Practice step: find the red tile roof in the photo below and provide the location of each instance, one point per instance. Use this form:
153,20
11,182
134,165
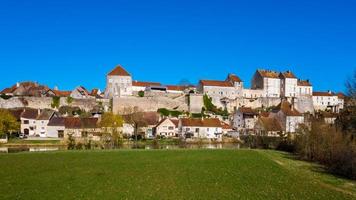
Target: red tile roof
119,71
226,125
233,78
144,84
287,74
340,95
304,83
60,93
268,73
175,87
213,122
287,109
174,121
216,83
327,94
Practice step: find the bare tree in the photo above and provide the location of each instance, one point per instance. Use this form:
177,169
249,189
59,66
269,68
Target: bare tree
135,117
351,86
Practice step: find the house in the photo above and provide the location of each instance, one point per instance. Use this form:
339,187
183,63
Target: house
28,121
200,128
167,128
304,88
118,83
244,119
268,126
28,89
80,93
34,121
289,83
288,116
141,86
323,101
74,126
268,81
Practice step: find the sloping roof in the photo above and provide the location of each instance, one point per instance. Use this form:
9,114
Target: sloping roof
56,121
17,112
78,123
45,115
226,125
175,87
340,95
119,71
213,122
233,78
270,124
287,74
247,110
8,90
268,73
216,83
174,121
30,113
60,93
144,84
303,83
327,94
287,109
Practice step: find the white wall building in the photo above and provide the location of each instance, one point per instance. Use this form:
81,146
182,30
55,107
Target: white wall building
289,84
289,117
200,128
244,119
325,101
118,83
167,128
268,81
304,88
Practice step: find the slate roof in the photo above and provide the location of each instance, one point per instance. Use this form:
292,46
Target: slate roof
45,115
119,71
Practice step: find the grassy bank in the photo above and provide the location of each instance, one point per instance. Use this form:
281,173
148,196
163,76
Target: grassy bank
160,174
21,142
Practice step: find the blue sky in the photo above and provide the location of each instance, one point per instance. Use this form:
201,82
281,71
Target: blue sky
69,43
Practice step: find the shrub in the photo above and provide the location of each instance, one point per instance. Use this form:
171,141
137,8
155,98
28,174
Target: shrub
69,100
141,93
55,102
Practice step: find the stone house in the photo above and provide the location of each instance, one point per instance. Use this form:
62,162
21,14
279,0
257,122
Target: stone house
118,83
304,88
323,101
289,83
244,119
32,89
167,128
209,128
268,126
288,116
75,126
80,93
268,81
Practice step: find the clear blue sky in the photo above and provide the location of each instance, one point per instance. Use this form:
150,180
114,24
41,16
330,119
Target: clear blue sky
70,43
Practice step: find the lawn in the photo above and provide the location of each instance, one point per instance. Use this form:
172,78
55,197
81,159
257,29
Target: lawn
166,174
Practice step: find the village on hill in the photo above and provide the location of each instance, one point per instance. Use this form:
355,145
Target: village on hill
277,104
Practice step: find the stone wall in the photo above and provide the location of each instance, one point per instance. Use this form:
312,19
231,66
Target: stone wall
149,104
195,103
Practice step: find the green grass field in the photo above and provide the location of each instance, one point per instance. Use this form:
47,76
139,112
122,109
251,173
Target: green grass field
166,174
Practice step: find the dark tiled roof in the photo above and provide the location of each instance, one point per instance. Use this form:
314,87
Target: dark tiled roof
45,115
56,121
303,83
30,113
287,109
247,110
119,71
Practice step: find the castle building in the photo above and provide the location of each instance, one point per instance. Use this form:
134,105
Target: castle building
268,81
289,84
118,83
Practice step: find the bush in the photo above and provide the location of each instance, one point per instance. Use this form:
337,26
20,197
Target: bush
55,102
141,93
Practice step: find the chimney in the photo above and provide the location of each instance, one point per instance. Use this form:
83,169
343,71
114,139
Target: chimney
17,84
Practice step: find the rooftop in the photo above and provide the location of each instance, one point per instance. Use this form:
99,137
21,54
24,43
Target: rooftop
119,71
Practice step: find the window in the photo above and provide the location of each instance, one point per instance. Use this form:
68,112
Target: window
60,134
26,121
187,129
197,130
170,128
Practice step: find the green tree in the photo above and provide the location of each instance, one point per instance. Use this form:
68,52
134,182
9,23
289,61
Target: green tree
8,122
55,102
141,93
69,100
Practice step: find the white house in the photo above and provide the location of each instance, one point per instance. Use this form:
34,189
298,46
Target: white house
268,81
200,128
289,83
288,116
34,122
77,127
304,88
167,128
325,101
244,119
118,83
